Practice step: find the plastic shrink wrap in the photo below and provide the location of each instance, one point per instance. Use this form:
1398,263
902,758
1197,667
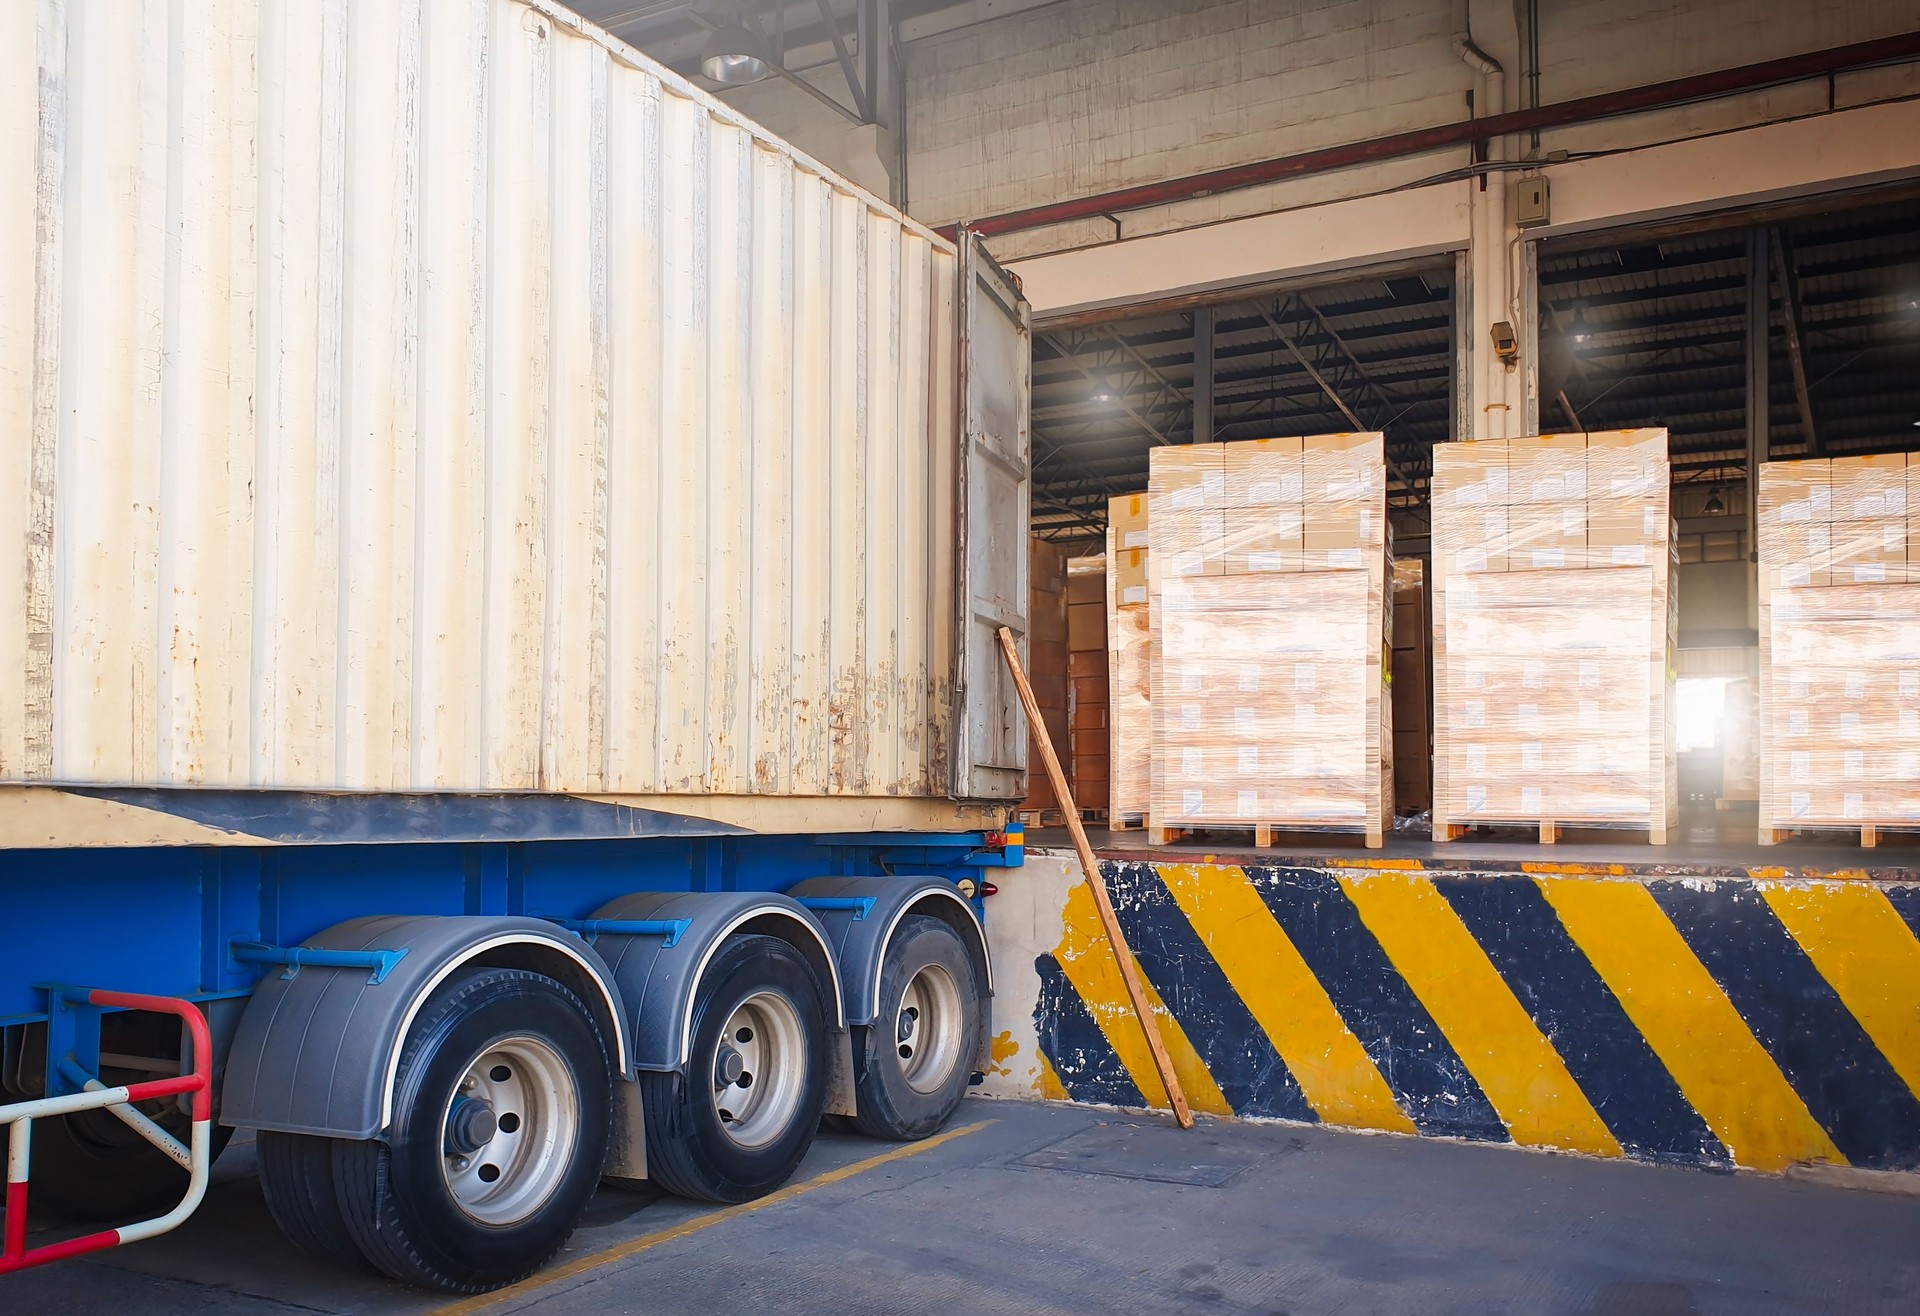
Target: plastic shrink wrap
1839,644
1129,661
1271,608
1555,622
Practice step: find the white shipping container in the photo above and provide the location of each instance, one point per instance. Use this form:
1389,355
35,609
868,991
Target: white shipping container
438,395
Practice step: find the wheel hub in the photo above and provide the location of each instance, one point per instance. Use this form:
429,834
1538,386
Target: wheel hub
927,1029
471,1125
759,1069
510,1127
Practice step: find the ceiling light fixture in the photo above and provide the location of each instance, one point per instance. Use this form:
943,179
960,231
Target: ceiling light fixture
1103,391
1716,505
1580,334
736,55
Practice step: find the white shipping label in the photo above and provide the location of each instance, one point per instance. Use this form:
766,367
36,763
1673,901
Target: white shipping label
1530,756
1250,679
1186,564
1573,520
1632,486
1305,717
1910,685
1795,573
1343,559
1906,765
1366,523
1799,804
1798,510
1303,764
1589,671
1187,498
1650,524
1471,495
1589,712
1910,722
1853,764
1850,725
1897,501
1533,674
1549,557
1134,594
1797,722
1852,805
1586,756
1549,489
1870,507
1497,484
1800,765
1291,486
1191,801
1249,804
1528,715
1856,686
1869,573
1493,525
1305,676
1267,560
1249,758
1189,717
1243,721
1819,540
1821,499
1192,761
1473,560
1629,555
1214,485
1893,539
1476,756
1135,539
1799,686
1529,799
1190,683
1261,492
1476,678
1476,798
1473,713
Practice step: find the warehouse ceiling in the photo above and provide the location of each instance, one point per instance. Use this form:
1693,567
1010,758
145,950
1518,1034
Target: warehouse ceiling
1358,354
1649,328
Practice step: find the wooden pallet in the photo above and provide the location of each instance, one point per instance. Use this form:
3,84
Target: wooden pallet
1041,817
1869,832
1264,834
1732,803
1549,829
1126,823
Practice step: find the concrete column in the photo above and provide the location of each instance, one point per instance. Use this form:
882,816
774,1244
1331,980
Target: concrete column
1487,38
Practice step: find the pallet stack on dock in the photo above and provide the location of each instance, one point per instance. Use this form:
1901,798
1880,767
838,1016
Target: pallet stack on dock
1839,645
1412,702
1554,629
1129,664
1088,735
1271,614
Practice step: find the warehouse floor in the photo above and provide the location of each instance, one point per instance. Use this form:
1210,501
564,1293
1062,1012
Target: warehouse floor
1053,1209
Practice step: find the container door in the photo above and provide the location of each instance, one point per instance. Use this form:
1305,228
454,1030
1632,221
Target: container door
990,747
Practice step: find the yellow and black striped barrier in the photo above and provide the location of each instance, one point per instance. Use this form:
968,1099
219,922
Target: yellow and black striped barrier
1720,1021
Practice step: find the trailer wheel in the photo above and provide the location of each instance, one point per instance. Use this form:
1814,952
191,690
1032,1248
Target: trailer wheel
88,1166
734,1126
911,1065
296,1174
498,1138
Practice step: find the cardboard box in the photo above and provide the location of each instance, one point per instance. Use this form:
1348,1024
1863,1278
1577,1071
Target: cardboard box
1261,539
1086,625
1186,478
1127,519
1869,488
1799,492
1547,470
1627,464
1129,578
1088,586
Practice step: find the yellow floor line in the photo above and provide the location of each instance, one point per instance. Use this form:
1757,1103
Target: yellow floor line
633,1247
1522,1075
1086,957
1333,1070
1723,1071
1868,955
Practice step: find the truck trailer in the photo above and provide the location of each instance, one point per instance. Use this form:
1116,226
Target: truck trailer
500,561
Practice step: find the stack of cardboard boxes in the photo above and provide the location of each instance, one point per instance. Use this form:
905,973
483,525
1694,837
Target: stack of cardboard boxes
1412,710
1839,645
1554,630
1271,619
1129,663
1087,693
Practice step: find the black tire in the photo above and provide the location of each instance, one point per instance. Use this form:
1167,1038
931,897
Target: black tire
90,1167
689,1149
897,1096
395,1195
296,1174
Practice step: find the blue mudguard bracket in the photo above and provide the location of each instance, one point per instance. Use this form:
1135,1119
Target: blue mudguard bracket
379,962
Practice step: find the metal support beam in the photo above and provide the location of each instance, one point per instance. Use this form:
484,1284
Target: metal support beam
1758,396
1203,375
1790,308
1314,374
861,100
1159,435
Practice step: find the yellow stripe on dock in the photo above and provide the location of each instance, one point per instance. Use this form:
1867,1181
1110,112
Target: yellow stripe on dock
1868,955
1335,1074
1086,957
1724,1073
1522,1075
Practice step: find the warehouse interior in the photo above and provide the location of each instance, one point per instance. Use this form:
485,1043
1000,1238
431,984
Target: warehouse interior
1050,656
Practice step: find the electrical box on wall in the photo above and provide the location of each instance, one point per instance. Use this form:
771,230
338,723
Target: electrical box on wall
1531,204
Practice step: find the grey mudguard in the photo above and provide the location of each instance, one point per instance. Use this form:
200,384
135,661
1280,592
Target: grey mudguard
657,981
316,1053
860,938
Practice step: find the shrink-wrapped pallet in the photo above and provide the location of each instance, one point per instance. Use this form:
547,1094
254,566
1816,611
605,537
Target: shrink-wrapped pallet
1839,645
1129,662
1271,612
1554,628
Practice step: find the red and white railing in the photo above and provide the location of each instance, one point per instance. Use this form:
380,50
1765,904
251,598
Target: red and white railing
195,1156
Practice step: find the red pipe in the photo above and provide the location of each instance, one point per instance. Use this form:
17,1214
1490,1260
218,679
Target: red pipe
1585,109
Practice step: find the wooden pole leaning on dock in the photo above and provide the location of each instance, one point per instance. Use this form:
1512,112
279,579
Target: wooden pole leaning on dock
1116,939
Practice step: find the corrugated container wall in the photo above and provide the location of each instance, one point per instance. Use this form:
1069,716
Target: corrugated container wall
436,395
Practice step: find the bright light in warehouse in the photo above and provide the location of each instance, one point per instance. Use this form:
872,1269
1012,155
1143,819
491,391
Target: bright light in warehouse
1699,704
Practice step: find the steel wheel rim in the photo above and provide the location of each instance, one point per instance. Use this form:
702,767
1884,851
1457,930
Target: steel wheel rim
926,1029
529,1093
758,1068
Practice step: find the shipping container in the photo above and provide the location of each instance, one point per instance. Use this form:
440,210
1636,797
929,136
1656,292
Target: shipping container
438,396
500,561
